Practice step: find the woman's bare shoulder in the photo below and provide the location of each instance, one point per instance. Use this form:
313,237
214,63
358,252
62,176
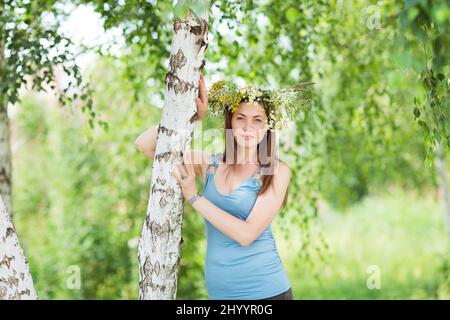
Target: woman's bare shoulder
282,170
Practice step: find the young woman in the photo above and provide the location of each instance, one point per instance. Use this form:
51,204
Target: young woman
244,189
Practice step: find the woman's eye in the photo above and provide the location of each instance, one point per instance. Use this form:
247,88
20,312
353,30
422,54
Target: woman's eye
258,120
239,118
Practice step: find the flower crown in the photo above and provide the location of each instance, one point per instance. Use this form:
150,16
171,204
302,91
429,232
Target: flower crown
283,103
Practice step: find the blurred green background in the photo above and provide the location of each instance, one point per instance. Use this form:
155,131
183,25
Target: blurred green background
366,214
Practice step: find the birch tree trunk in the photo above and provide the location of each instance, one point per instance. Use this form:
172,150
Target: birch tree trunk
159,245
15,278
5,148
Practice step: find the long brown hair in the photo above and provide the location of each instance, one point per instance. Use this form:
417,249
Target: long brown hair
266,152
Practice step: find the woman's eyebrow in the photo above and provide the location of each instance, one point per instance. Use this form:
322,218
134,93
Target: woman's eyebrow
253,116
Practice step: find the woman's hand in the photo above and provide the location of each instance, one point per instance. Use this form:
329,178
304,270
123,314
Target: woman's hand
186,170
202,100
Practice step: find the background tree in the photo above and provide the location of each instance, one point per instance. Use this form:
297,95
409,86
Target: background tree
31,48
15,278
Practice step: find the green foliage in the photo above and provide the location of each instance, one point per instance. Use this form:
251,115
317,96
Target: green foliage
31,49
397,236
147,30
88,188
182,7
83,202
87,199
424,32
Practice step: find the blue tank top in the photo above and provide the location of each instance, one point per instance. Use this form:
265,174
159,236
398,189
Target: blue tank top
232,271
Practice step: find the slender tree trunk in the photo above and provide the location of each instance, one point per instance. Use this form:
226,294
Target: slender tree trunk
443,183
5,148
5,156
159,246
15,278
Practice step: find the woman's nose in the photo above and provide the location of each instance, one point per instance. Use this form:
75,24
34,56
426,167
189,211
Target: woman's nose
248,124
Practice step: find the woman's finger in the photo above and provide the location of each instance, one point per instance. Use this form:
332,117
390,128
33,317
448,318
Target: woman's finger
182,169
175,175
202,91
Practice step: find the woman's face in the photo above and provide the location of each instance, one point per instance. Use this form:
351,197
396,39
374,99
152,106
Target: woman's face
249,124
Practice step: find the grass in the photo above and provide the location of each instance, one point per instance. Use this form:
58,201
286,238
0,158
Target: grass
394,242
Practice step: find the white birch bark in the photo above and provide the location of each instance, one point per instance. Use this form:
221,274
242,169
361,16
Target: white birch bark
5,148
159,245
15,278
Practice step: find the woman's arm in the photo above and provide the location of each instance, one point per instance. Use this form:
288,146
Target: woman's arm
146,142
228,224
263,212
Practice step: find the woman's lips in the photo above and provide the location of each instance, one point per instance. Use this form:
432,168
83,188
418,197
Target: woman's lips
247,137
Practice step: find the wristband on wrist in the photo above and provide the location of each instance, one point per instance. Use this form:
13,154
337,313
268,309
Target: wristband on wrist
195,197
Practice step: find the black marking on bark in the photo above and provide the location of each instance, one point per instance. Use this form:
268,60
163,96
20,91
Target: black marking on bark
201,43
178,85
168,132
197,30
177,24
144,284
165,228
148,222
203,63
194,118
163,202
3,291
7,261
4,177
12,281
169,156
162,190
148,267
177,61
146,276
9,232
158,231
201,29
204,25
158,287
26,291
170,192
161,180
